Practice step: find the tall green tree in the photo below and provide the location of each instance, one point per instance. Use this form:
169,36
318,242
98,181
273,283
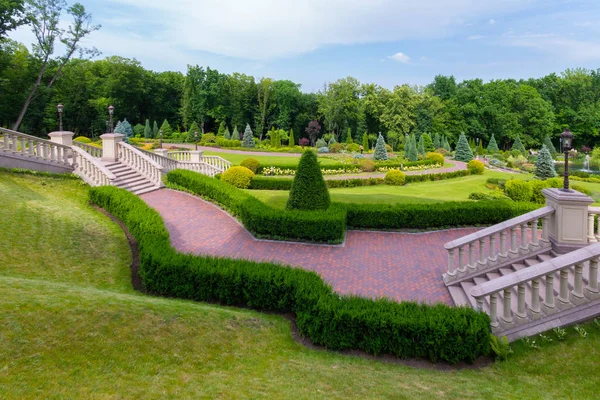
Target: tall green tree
147,130
248,140
463,150
166,129
493,146
12,15
544,166
380,153
518,145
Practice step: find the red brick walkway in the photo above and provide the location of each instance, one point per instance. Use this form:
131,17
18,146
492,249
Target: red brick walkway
401,266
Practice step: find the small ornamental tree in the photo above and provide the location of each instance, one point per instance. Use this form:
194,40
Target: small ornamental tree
332,141
166,130
291,138
227,134
126,128
248,140
236,134
446,145
412,155
550,146
349,136
312,130
421,146
518,145
463,150
148,130
119,128
428,143
380,151
155,130
138,130
480,147
436,141
365,141
544,167
407,147
308,191
493,146
221,131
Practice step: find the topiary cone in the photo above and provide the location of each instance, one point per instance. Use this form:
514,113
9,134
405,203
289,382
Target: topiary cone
309,191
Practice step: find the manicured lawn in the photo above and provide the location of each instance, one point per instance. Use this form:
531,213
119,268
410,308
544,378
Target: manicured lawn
423,192
594,187
72,327
236,159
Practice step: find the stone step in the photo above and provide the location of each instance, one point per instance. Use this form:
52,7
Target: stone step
142,191
138,186
130,181
466,287
459,296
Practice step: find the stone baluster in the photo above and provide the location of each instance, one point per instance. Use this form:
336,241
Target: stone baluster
563,296
472,262
549,298
534,233
479,302
591,236
513,240
577,291
592,286
482,259
15,145
524,240
535,296
545,228
494,310
493,256
30,147
461,259
503,252
521,301
507,312
23,147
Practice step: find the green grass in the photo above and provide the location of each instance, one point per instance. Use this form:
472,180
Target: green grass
80,331
236,159
423,192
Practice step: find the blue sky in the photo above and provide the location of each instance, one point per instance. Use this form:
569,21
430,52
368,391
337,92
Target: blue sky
382,41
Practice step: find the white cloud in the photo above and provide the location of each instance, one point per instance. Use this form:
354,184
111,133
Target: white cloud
264,29
492,21
400,57
558,46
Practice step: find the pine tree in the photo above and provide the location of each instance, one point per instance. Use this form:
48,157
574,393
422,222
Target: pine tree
155,130
166,129
436,141
550,146
119,128
428,143
407,143
236,135
380,150
492,146
463,150
421,146
544,167
221,131
308,191
447,144
127,129
227,134
349,136
413,154
148,130
365,142
291,139
518,145
248,140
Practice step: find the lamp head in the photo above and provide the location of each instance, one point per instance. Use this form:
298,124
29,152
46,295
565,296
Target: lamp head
567,139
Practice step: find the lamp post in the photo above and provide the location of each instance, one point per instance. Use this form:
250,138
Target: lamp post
60,111
196,139
160,136
567,143
111,110
477,146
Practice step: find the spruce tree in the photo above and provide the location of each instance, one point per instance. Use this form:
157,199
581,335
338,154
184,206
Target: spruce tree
221,131
291,139
544,167
155,130
413,154
349,136
236,135
148,130
518,145
365,141
421,146
380,150
119,128
447,144
332,141
227,134
550,146
248,140
493,146
126,129
166,129
428,143
407,148
463,150
436,141
308,191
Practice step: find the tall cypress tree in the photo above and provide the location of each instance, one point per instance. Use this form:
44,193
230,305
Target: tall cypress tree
407,144
544,167
427,143
155,130
349,136
436,141
291,140
365,141
380,150
227,134
166,130
518,145
421,146
413,154
236,134
550,146
463,150
248,140
148,130
493,146
446,144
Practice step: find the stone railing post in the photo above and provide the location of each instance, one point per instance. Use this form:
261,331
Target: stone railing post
196,156
62,137
110,146
569,223
162,152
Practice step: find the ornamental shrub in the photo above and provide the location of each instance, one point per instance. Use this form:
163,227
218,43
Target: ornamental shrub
380,150
421,146
475,167
550,146
493,195
238,176
537,186
166,130
331,140
82,139
436,141
236,135
248,140
309,191
323,149
367,165
138,130
251,163
365,141
493,146
427,143
227,134
155,129
446,145
463,150
335,148
518,145
544,167
291,141
147,130
354,148
411,153
518,190
437,157
395,177
208,138
320,143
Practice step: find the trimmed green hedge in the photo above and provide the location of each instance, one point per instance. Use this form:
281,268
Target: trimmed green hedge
407,329
346,167
262,220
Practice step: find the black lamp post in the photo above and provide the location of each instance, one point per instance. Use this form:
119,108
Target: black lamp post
477,146
196,139
60,111
567,143
111,111
160,137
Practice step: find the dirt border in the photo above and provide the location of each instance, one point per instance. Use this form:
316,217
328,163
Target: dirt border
137,284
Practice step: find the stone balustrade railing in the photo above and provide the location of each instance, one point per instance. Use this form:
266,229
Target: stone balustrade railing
140,162
92,150
35,148
201,167
219,163
91,170
568,267
593,228
169,163
180,155
484,243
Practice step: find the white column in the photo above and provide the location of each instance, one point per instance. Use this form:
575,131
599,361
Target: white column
592,285
507,314
535,296
591,236
451,268
110,149
524,241
62,137
196,156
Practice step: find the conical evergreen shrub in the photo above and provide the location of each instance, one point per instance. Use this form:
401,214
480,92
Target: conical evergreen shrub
446,144
155,130
493,146
427,143
463,150
248,140
413,155
308,191
148,130
421,146
436,141
544,167
365,142
291,138
236,135
227,134
550,146
332,141
349,136
380,151
518,145
166,130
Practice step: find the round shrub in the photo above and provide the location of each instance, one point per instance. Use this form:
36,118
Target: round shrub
335,147
475,167
388,148
82,139
309,191
359,156
395,177
367,165
251,163
323,149
353,147
442,151
518,190
437,157
240,177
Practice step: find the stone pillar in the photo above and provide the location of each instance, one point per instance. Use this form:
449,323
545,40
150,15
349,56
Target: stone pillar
161,152
62,137
568,226
110,150
196,156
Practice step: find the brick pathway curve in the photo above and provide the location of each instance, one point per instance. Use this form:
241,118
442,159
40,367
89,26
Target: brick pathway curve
401,266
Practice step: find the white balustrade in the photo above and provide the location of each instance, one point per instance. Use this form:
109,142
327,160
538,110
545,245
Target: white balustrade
593,233
485,241
220,163
180,155
140,162
32,147
92,150
91,169
170,163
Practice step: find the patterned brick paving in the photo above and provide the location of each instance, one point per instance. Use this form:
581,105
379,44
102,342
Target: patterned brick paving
401,266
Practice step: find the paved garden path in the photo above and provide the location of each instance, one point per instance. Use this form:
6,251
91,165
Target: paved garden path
401,266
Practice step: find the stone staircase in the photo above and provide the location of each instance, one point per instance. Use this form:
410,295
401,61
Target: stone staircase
129,179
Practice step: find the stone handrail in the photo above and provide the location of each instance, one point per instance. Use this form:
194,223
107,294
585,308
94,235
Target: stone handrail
180,155
92,150
167,163
592,212
140,162
218,162
35,148
91,170
201,167
494,256
532,275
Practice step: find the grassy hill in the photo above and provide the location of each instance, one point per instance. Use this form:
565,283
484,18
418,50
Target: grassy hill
71,326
